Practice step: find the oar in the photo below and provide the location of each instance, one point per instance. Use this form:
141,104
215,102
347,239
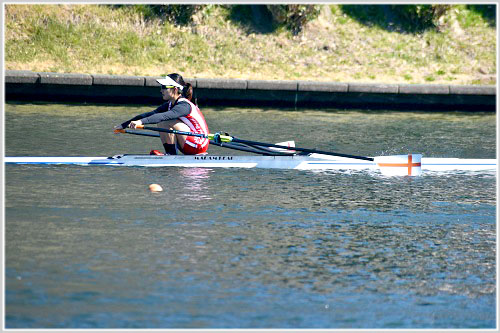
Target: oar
156,135
250,149
218,138
255,150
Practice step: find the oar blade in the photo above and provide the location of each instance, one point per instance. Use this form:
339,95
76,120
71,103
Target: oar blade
400,165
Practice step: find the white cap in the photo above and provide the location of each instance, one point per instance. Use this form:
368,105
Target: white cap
167,81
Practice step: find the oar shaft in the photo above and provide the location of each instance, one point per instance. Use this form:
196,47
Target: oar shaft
159,129
216,137
250,149
126,131
305,150
155,135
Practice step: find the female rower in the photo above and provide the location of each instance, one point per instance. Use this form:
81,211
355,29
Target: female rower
178,113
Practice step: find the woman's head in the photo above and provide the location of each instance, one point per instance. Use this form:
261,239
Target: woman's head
176,87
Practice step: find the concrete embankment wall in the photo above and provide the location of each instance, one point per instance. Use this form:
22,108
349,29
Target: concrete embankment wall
98,88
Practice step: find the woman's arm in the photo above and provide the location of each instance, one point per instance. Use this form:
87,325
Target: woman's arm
179,110
161,108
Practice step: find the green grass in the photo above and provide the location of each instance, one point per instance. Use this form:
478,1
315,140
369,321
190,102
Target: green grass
344,43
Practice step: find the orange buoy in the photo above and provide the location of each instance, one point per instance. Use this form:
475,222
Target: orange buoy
155,188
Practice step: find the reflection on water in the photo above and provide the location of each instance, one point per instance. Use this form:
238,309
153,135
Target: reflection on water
195,186
92,247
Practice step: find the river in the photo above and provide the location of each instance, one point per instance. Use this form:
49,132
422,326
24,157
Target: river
92,247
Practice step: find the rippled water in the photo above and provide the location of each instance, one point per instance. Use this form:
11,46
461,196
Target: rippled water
91,247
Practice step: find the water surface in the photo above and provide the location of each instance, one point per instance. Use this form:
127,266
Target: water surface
91,247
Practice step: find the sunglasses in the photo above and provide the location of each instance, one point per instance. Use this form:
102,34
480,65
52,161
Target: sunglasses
166,87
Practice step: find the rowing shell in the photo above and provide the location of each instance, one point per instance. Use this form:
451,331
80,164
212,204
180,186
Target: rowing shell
412,164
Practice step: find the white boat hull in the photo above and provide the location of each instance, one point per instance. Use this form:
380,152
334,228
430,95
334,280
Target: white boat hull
299,162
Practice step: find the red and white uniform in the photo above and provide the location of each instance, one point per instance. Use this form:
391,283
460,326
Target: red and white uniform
197,124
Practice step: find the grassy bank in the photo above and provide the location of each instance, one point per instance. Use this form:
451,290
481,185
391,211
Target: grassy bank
221,42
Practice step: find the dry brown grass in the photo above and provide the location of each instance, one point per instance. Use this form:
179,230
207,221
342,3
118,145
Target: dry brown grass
335,47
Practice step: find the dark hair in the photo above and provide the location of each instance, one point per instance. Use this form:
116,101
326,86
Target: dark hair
187,91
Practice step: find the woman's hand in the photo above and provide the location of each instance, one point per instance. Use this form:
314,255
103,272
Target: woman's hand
135,123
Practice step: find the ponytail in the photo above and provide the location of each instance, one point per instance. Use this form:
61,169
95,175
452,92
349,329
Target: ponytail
187,91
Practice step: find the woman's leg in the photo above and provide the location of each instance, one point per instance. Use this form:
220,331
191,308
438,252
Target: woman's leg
170,138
